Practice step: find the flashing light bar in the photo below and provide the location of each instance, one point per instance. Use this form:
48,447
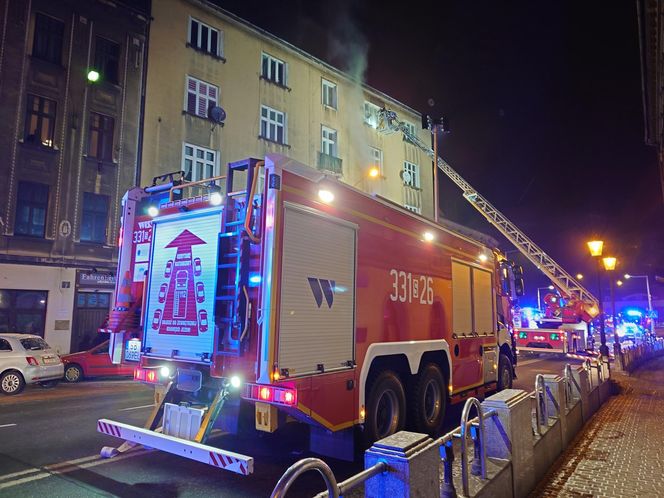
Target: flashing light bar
271,394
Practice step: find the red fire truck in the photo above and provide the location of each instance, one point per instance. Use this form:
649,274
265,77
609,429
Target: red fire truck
279,293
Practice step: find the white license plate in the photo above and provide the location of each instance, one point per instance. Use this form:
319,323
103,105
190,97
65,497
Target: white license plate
49,360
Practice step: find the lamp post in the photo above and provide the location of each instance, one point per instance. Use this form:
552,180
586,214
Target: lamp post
595,247
610,265
539,301
652,322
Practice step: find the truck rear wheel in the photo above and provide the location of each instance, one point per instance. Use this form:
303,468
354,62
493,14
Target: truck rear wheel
428,400
386,407
505,376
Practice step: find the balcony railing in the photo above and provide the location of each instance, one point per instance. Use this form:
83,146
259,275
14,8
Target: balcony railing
329,164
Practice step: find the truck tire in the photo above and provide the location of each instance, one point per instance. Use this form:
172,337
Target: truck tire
11,382
427,400
386,407
505,372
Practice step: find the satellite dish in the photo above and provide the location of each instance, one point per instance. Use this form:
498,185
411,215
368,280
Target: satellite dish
217,114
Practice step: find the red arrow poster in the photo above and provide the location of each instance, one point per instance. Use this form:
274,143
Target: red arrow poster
179,320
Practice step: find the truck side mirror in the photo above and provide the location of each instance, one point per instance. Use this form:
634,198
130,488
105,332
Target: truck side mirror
518,287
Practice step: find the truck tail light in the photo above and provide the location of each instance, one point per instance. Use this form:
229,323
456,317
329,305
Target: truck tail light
271,394
149,375
32,361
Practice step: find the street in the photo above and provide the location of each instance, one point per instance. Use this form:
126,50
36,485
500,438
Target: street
49,446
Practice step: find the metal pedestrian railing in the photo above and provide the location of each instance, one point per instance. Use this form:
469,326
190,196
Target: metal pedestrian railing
475,428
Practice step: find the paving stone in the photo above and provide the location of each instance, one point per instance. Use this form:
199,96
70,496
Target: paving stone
621,450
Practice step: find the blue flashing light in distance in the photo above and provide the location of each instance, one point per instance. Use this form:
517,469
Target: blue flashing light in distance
254,280
633,312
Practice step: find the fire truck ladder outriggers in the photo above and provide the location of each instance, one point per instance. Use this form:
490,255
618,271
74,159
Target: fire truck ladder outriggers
389,123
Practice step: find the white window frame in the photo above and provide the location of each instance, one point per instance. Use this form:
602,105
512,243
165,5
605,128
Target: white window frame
414,171
204,161
330,96
329,145
272,124
208,49
371,114
411,128
376,155
277,62
202,96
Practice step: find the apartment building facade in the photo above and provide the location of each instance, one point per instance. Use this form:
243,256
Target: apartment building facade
277,99
71,78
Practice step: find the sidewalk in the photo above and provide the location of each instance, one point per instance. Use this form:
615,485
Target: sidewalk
620,453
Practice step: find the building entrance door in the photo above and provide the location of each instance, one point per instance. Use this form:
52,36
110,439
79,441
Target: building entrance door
90,313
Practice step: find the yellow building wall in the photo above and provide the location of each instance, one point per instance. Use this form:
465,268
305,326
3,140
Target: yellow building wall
241,93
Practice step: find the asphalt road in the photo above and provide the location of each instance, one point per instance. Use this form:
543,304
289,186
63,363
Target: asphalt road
49,446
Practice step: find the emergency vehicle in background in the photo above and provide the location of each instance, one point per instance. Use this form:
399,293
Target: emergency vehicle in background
278,293
557,329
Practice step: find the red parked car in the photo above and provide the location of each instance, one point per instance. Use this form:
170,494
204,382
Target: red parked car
93,363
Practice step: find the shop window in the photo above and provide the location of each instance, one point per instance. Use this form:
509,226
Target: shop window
23,311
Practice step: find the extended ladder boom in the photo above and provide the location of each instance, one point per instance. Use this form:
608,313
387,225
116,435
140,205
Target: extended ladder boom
559,277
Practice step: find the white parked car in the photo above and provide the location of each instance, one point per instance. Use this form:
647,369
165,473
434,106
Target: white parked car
27,359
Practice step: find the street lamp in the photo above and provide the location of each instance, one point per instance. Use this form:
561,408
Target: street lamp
595,248
539,301
610,265
650,314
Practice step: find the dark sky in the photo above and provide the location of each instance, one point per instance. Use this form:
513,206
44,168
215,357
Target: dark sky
544,101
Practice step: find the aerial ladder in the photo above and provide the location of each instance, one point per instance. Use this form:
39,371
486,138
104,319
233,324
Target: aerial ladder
583,301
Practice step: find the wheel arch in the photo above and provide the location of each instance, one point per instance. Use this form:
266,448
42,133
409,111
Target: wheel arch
405,358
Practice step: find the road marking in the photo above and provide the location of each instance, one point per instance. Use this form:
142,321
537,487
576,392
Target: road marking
7,425
52,466
528,362
136,408
66,467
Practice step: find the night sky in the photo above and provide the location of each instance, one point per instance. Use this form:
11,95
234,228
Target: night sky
544,101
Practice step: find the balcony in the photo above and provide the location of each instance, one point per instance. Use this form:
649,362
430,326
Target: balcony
329,164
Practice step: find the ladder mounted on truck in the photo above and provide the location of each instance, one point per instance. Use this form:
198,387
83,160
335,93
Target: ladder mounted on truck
389,123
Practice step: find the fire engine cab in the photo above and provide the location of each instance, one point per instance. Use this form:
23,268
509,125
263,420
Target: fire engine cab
277,293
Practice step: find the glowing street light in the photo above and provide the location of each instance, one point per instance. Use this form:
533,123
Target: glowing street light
595,248
609,263
579,276
374,172
93,75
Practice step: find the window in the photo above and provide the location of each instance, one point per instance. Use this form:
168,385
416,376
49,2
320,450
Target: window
23,311
4,345
203,37
410,127
411,175
329,142
371,114
95,216
40,121
199,163
100,140
273,69
200,97
93,300
273,124
329,94
31,204
376,158
107,59
47,43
